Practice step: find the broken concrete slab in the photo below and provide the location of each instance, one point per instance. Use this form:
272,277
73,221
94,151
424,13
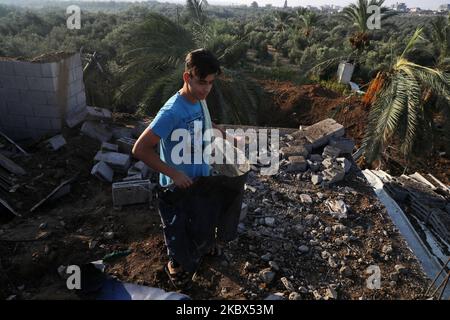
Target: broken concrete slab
133,177
320,133
105,147
142,168
9,165
334,174
76,117
314,166
126,144
122,132
102,171
316,179
337,208
346,145
327,163
300,150
297,163
98,114
346,164
131,192
117,161
56,142
331,152
96,131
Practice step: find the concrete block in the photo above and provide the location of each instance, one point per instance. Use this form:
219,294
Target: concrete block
126,144
45,110
121,132
331,152
334,174
287,152
12,95
95,113
3,108
7,68
19,83
42,84
102,171
316,179
7,82
117,161
49,70
297,163
75,117
56,124
109,147
81,98
133,177
142,168
19,109
39,123
345,164
52,98
131,192
321,132
56,142
328,162
96,131
346,145
18,121
33,97
314,166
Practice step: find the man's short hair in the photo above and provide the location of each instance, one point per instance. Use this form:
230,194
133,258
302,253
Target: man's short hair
203,62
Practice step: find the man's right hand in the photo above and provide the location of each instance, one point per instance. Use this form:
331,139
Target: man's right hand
181,180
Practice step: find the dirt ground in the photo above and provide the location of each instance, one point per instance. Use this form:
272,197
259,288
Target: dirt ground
72,230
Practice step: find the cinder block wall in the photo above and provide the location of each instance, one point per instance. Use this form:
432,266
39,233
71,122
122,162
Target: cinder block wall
35,98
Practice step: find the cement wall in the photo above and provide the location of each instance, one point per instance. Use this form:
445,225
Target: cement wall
35,98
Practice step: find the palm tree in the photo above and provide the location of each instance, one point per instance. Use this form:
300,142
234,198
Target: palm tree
307,20
397,98
152,68
440,36
281,20
358,15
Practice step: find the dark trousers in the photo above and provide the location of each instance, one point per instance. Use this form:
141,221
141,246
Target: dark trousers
195,218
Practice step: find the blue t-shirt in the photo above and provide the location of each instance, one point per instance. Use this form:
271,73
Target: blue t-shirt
180,113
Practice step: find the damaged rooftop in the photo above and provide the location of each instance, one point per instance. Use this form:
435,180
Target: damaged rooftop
315,230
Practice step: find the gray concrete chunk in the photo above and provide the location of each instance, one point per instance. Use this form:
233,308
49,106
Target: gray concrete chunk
56,142
300,150
94,113
102,171
118,161
346,145
126,144
131,192
96,131
331,152
105,147
297,163
321,132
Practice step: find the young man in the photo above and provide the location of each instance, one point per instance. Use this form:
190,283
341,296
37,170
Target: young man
182,111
